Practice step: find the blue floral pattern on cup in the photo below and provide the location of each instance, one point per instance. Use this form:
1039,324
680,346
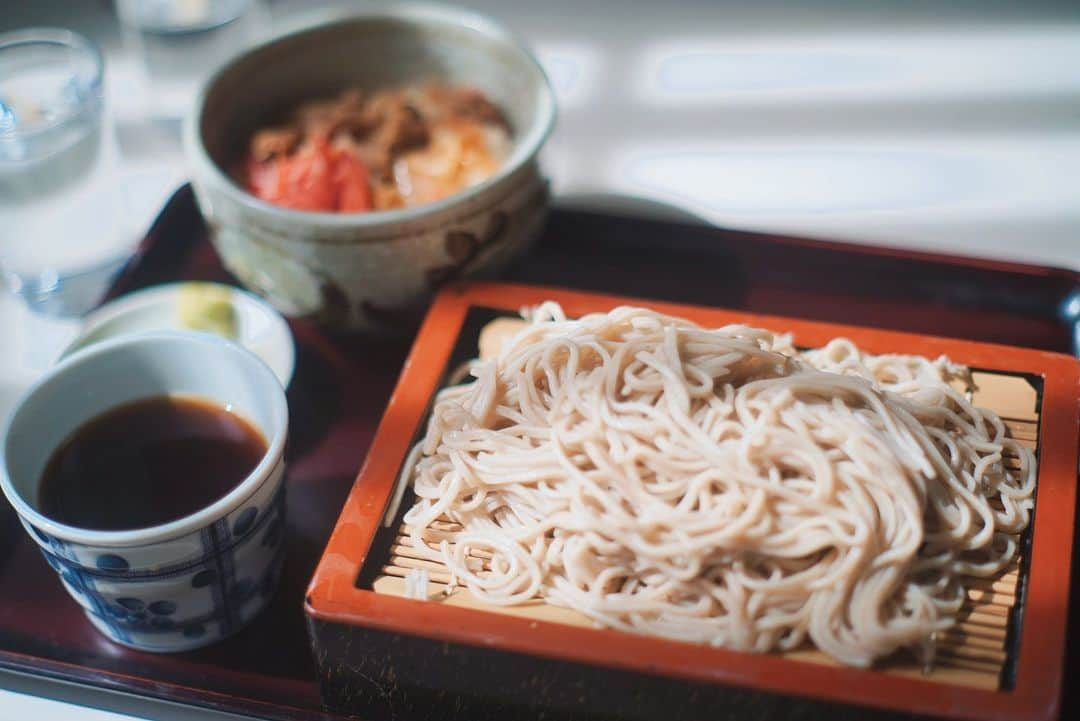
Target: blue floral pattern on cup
184,604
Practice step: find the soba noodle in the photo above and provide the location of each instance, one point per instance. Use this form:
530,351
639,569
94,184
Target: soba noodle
716,486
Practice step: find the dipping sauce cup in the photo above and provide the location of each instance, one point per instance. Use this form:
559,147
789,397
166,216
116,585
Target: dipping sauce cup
182,584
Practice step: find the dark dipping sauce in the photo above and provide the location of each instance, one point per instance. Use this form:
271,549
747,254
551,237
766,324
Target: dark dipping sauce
148,462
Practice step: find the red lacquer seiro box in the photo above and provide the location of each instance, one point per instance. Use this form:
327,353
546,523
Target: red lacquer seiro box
381,654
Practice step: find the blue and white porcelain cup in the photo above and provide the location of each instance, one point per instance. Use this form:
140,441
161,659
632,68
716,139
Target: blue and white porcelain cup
186,583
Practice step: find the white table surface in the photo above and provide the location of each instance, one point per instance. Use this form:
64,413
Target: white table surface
952,127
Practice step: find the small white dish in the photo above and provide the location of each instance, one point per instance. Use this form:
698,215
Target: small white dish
258,327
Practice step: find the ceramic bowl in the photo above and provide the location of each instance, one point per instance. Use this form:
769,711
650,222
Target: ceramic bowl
370,271
186,583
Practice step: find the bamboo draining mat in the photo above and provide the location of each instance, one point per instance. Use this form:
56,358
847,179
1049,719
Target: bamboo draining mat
973,653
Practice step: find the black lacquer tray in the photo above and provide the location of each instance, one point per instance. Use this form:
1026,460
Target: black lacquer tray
342,384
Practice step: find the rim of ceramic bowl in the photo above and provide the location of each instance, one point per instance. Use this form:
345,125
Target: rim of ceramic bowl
422,14
182,526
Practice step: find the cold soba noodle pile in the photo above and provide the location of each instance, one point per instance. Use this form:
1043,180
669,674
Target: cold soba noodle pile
716,486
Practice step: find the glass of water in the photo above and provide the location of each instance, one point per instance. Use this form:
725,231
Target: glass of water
62,232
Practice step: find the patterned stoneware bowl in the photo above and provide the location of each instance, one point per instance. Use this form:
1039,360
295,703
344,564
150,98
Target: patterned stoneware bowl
186,583
371,271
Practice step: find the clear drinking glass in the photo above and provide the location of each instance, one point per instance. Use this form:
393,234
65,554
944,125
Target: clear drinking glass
62,231
180,42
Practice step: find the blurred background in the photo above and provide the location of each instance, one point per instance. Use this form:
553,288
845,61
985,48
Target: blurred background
950,126
945,126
